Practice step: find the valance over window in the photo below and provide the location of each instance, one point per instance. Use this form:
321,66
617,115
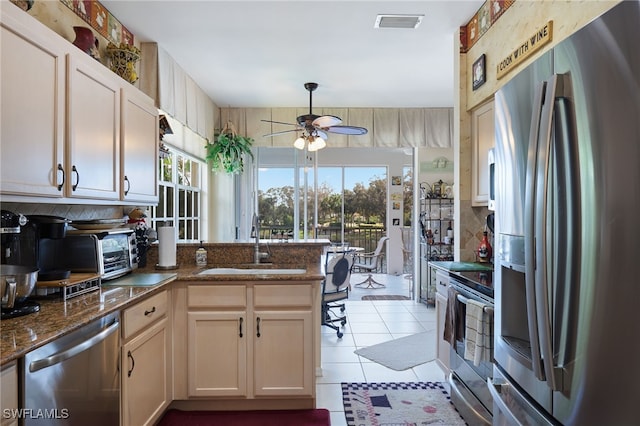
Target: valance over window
388,127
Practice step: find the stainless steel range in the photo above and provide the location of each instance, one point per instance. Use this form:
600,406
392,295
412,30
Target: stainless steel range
470,297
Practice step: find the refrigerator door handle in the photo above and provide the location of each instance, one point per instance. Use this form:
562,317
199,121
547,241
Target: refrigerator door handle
547,268
540,231
529,223
567,274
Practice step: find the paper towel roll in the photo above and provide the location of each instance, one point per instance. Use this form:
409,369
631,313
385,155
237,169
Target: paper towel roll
166,246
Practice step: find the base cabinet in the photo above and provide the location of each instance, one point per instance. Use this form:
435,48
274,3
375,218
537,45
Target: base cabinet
146,363
249,341
283,345
217,353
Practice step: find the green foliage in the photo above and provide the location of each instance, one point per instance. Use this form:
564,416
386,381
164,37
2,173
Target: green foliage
226,154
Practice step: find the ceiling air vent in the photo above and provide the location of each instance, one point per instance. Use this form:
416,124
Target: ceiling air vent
398,21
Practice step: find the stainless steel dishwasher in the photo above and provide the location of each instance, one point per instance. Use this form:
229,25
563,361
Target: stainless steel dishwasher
75,380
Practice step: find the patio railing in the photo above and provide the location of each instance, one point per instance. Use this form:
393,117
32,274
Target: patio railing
359,236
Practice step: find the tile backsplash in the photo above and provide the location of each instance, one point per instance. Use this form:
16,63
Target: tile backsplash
472,223
69,211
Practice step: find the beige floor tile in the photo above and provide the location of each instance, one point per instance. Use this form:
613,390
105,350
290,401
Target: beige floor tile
363,340
338,372
356,317
339,354
429,372
404,327
369,328
329,396
338,418
374,372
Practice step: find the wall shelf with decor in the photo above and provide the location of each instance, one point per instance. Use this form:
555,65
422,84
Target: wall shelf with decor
436,237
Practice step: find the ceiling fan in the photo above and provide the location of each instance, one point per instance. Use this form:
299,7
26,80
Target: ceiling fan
314,128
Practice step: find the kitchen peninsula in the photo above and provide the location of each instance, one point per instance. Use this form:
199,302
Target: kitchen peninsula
230,341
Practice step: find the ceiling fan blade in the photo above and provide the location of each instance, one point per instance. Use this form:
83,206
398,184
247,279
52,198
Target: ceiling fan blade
279,122
347,130
280,133
326,121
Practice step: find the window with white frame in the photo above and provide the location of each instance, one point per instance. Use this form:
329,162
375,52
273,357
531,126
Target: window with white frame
180,195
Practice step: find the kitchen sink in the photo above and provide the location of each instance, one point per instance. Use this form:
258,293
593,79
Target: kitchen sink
253,271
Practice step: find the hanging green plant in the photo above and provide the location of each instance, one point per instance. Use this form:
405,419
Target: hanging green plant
226,153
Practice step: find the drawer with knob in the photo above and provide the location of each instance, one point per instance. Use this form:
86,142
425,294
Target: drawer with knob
143,314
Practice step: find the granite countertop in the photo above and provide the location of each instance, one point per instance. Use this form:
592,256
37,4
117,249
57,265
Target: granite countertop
56,317
193,273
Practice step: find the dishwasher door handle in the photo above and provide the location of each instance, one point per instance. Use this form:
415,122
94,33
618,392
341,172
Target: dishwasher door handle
57,358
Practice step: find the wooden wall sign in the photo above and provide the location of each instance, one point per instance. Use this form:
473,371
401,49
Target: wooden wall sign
531,45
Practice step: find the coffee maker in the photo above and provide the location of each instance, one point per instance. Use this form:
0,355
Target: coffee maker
18,268
43,246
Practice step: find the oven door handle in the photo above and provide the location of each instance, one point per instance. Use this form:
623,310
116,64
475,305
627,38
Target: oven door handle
57,358
464,300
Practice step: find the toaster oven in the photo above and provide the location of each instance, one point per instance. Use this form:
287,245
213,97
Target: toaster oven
111,253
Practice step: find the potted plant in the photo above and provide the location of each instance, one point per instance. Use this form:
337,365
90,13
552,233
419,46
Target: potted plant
227,152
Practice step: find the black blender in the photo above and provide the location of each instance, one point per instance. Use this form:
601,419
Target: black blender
18,271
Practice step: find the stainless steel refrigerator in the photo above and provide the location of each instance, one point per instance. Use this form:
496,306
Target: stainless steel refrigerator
567,274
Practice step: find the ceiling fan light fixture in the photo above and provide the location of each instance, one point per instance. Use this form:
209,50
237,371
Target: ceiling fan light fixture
398,21
300,143
318,143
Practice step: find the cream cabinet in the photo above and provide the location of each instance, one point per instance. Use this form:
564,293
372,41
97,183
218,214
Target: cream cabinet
146,361
93,153
9,393
217,333
139,142
443,348
250,340
71,130
32,122
283,342
483,139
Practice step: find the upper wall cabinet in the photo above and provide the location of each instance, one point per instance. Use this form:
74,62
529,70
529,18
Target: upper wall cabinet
93,154
139,151
482,140
32,77
62,138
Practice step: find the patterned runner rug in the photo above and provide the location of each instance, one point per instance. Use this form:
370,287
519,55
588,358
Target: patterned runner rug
378,404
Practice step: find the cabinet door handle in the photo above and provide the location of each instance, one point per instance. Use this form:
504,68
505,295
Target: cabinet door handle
258,326
241,321
133,363
61,169
74,170
150,312
126,191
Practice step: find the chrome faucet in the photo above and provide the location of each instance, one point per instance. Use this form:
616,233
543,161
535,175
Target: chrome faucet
255,233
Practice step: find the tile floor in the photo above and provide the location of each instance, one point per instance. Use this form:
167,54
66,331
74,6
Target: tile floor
369,323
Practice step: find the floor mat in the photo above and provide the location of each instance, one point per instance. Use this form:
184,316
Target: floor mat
385,297
403,353
420,403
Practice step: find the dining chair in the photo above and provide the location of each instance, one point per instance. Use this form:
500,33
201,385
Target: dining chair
370,262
